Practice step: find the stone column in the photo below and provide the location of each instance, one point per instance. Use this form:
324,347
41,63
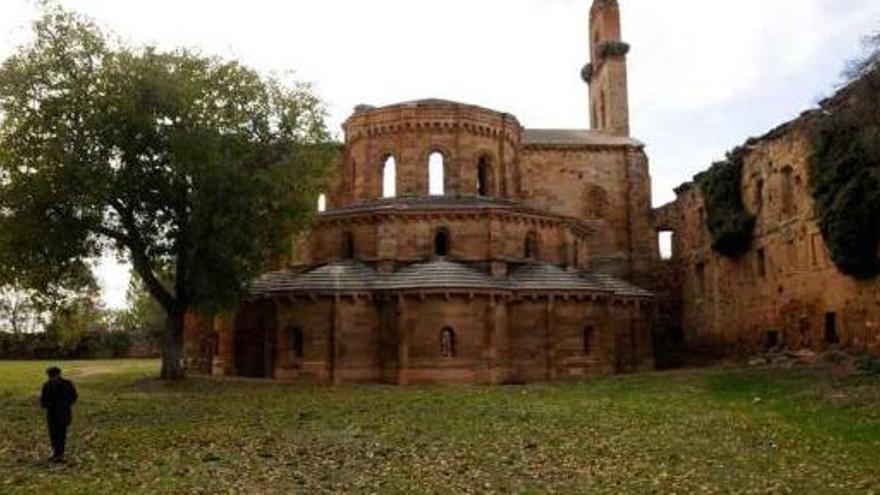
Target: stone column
402,342
550,338
333,342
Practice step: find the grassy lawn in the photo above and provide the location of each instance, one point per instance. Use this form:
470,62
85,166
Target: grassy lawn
696,431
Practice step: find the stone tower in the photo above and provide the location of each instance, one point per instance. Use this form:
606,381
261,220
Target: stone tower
606,72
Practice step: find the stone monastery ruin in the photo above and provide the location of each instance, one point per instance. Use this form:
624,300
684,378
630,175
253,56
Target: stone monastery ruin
457,245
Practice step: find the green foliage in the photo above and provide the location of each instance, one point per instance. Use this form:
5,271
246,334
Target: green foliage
143,320
613,48
70,324
186,165
729,224
845,172
868,366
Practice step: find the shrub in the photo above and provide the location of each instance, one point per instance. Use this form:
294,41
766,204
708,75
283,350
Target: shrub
727,220
845,172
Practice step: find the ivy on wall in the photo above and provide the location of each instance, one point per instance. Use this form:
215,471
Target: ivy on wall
727,220
845,171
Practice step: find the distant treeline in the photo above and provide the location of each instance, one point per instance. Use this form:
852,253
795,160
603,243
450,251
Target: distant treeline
98,344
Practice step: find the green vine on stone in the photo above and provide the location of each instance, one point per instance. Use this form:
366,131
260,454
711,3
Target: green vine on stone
727,220
845,171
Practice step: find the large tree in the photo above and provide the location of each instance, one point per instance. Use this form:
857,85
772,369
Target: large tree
195,169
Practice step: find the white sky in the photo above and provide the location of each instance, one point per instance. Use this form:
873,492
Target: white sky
704,75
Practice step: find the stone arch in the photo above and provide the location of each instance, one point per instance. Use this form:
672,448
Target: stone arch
442,242
588,337
297,343
437,172
485,176
348,247
447,343
389,176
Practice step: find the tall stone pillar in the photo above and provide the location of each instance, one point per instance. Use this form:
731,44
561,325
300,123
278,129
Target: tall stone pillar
550,338
402,342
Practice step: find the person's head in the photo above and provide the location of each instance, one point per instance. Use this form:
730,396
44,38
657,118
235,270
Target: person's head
54,373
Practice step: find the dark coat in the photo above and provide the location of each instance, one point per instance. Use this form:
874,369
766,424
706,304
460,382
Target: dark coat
57,398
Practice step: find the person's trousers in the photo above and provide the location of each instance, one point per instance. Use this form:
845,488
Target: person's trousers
58,434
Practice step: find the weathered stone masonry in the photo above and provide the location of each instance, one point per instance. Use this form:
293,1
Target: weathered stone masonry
520,269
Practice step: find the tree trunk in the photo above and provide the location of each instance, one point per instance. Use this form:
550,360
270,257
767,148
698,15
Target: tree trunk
172,347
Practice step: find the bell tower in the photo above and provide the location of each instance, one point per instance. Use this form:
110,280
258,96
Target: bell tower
606,72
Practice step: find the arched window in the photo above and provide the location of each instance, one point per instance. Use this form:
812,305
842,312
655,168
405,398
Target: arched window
296,342
484,177
389,177
588,335
322,203
441,242
531,245
447,343
436,174
347,245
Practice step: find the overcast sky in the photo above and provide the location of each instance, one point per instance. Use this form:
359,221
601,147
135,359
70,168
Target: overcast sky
704,75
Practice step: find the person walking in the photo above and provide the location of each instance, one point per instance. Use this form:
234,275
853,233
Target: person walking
57,398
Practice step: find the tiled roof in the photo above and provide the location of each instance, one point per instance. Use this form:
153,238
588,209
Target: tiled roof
404,203
438,274
574,137
616,285
544,276
344,276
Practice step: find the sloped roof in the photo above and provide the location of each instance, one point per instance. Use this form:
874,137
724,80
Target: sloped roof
615,285
440,274
574,138
344,276
544,276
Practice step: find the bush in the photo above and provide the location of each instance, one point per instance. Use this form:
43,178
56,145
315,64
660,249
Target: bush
846,180
727,220
868,366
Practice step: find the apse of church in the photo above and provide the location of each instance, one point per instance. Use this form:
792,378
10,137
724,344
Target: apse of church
456,245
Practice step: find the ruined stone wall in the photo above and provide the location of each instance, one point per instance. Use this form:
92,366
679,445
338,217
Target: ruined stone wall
785,290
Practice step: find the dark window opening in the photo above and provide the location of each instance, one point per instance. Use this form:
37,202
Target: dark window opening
831,335
589,334
447,343
531,245
348,245
759,195
296,343
773,339
441,242
484,177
